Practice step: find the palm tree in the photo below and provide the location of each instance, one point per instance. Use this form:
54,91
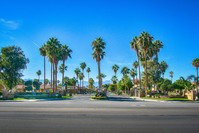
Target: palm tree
77,72
157,46
135,65
195,63
38,74
62,69
53,50
65,53
114,79
101,76
163,68
136,46
145,41
171,75
81,77
43,53
88,70
91,82
98,54
133,73
83,66
115,68
125,71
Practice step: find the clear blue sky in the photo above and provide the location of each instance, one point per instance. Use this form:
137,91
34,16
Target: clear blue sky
29,24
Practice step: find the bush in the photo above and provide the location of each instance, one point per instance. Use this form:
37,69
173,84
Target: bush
119,92
112,87
1,93
100,94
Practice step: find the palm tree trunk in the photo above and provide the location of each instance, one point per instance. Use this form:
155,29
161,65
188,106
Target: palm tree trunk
139,76
83,80
56,75
197,75
44,72
63,71
51,78
99,78
146,77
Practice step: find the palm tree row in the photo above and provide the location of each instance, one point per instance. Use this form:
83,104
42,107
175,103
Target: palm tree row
55,52
146,49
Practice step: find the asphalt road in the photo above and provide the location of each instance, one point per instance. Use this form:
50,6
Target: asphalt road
80,114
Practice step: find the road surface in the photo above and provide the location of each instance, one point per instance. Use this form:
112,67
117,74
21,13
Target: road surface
80,114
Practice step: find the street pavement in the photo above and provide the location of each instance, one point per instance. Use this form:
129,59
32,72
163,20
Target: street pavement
81,114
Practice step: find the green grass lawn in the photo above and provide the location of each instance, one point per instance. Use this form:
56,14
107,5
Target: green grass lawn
167,99
32,98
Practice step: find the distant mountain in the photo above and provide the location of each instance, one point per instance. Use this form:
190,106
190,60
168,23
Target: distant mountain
85,82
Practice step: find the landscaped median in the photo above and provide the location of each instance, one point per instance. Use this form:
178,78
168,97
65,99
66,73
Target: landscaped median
99,98
167,99
35,97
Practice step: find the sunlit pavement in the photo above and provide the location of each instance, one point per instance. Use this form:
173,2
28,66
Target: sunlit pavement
80,114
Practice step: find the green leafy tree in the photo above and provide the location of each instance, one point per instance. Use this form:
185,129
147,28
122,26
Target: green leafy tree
181,84
98,47
13,61
195,63
36,84
166,86
28,85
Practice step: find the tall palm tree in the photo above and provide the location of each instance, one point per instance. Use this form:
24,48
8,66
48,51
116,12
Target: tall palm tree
83,66
145,41
62,69
195,63
125,71
77,72
53,50
171,75
88,70
115,68
81,77
65,53
136,46
43,53
163,68
38,74
101,76
98,47
135,65
133,73
157,46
